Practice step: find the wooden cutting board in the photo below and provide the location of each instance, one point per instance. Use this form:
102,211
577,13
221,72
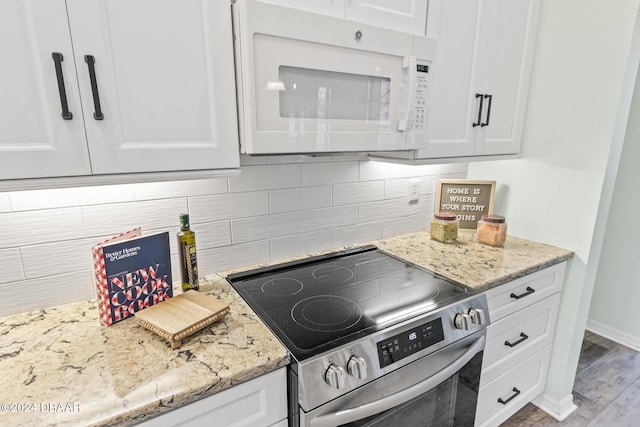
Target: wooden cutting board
182,315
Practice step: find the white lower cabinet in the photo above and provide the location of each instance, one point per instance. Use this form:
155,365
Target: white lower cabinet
515,363
261,402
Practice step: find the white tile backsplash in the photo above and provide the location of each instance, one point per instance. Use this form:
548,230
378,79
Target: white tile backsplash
66,197
10,266
328,218
288,246
41,226
5,205
119,217
253,178
278,207
228,206
265,227
301,198
329,173
357,192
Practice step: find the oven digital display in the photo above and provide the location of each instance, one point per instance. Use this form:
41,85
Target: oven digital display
422,68
409,342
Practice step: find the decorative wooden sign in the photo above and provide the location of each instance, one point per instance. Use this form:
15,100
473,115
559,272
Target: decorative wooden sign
468,199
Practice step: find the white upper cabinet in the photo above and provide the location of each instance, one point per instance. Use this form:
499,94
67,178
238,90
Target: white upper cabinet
409,16
150,87
481,75
35,139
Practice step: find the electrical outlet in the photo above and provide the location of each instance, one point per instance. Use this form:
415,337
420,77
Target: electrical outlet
414,190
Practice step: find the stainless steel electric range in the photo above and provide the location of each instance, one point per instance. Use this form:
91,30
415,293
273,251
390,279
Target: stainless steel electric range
374,340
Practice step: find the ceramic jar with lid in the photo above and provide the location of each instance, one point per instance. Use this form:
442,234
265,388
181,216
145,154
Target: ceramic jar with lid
492,230
444,227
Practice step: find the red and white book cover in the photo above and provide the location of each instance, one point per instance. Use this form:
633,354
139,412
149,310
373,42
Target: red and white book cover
131,272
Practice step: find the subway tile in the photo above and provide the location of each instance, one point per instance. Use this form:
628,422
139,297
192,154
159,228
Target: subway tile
228,206
297,244
68,197
329,173
119,217
403,225
343,236
235,256
265,227
370,171
5,205
337,216
292,199
46,292
381,210
458,168
165,190
357,192
57,258
398,188
268,177
212,234
247,160
10,266
42,226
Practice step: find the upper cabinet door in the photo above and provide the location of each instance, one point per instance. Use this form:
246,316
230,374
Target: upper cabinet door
454,24
409,16
323,7
505,57
157,83
480,76
35,139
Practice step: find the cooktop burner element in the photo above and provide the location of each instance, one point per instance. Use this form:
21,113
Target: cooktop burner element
325,313
319,303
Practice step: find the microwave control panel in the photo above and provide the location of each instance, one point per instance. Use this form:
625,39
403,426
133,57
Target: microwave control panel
420,103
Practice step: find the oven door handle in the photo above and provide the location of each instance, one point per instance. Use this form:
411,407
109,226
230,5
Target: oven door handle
345,416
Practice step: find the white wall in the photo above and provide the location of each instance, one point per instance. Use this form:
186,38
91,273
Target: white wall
276,208
616,294
553,193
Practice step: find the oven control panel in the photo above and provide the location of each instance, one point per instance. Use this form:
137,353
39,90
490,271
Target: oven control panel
405,344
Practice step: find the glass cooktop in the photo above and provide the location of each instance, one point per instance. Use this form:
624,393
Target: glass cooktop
317,304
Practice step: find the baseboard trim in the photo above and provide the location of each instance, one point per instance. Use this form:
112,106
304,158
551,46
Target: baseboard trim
621,337
558,409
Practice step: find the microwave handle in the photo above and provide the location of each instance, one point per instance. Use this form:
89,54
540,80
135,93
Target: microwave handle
411,63
345,416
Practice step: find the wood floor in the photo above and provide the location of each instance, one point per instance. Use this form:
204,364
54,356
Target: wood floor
606,390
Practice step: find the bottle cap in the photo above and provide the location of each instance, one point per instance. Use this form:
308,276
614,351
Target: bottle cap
445,216
184,220
494,219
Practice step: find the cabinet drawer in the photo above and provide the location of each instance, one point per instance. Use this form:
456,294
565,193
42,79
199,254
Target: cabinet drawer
499,399
512,339
520,293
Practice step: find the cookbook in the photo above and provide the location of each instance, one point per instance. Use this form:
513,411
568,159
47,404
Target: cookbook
132,272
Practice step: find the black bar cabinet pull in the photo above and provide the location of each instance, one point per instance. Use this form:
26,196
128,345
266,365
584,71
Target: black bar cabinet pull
513,396
90,60
490,97
530,290
57,60
479,122
523,337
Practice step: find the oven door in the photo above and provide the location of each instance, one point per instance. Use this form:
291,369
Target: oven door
440,389
313,83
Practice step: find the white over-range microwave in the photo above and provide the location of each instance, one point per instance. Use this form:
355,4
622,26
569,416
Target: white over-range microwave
310,83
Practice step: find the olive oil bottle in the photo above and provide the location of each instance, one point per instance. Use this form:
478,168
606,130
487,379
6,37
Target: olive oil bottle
187,255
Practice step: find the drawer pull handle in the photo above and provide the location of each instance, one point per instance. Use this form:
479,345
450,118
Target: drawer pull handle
523,337
513,396
530,290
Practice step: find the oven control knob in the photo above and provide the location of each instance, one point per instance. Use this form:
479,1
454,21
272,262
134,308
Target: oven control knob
462,321
335,377
477,316
357,367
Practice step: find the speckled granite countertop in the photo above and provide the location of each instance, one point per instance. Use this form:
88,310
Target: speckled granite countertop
66,369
